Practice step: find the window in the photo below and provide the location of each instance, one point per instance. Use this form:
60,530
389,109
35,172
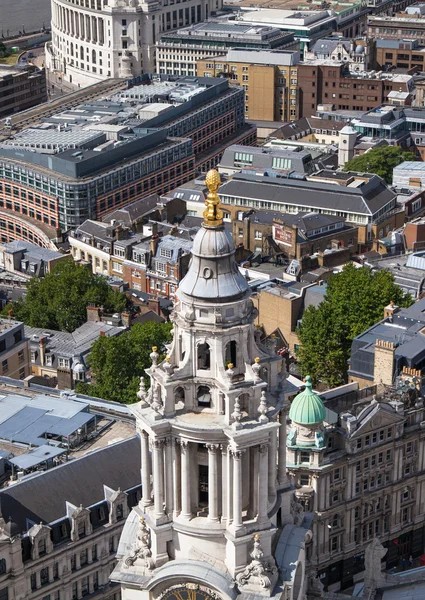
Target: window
359,444
166,252
258,234
63,362
243,158
21,357
305,457
337,475
2,566
367,440
116,266
304,479
389,433
4,366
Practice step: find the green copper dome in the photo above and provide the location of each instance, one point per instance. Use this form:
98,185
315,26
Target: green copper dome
307,408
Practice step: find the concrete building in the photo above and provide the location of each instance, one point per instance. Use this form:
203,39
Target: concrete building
201,421
21,89
14,351
265,160
73,167
269,79
406,25
179,51
60,528
103,40
307,25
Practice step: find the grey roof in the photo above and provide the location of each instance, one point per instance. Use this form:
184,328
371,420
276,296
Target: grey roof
263,158
134,211
367,199
175,245
36,457
307,222
405,331
328,45
42,498
64,344
213,274
96,229
32,251
31,425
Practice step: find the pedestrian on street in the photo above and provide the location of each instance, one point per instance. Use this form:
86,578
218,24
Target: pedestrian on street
403,564
410,561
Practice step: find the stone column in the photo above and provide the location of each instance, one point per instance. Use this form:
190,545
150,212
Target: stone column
50,571
263,484
158,478
186,511
77,561
224,483
168,474
237,489
229,485
146,470
281,475
272,466
177,477
91,586
213,482
37,579
79,590
89,555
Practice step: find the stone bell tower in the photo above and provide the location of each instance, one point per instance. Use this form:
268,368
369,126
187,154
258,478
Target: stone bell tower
213,442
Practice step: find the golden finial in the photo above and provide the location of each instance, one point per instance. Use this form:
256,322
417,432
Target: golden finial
154,348
257,359
213,217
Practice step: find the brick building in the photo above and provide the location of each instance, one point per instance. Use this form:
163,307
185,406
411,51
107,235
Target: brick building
157,266
21,89
400,54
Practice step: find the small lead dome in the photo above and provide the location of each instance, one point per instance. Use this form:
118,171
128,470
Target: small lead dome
213,274
307,407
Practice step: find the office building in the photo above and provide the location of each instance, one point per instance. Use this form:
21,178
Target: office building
400,54
407,25
179,51
269,80
21,89
103,40
84,162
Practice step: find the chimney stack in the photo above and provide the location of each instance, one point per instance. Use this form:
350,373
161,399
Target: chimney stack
42,348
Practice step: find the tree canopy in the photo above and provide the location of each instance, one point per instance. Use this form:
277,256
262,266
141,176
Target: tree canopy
117,363
380,161
59,300
353,302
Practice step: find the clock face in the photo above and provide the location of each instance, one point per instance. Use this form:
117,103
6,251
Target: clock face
189,591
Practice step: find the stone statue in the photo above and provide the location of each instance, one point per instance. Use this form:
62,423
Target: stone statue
259,572
141,553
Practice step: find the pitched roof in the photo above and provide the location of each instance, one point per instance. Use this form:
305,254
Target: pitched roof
367,199
43,497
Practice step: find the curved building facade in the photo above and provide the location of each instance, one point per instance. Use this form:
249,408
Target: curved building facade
94,40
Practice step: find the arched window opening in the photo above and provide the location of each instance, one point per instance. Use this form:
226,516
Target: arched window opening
204,358
81,529
120,512
179,397
81,53
244,403
204,396
93,57
72,49
230,355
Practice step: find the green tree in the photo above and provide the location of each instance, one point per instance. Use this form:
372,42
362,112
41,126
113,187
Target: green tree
117,363
354,301
380,161
4,52
59,300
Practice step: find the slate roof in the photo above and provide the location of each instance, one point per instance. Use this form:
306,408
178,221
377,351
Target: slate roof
134,211
310,221
327,46
32,251
42,497
367,199
96,229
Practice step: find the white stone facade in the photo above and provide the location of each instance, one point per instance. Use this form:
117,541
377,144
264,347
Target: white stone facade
93,40
213,431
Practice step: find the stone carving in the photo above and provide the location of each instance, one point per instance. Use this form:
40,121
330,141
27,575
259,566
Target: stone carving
156,397
230,372
154,356
256,367
168,367
263,408
141,553
141,394
297,512
259,572
237,415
